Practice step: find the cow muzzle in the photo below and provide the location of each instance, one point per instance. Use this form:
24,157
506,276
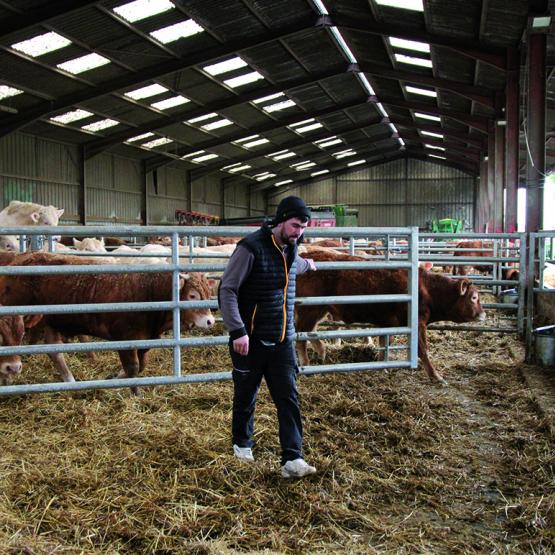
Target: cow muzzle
12,368
205,320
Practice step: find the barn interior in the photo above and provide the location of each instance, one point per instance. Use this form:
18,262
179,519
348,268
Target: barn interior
401,113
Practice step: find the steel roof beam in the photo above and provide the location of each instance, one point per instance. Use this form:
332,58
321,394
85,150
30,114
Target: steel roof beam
481,95
490,55
157,161
10,124
96,146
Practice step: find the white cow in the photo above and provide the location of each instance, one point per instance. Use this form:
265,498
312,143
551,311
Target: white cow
26,213
90,244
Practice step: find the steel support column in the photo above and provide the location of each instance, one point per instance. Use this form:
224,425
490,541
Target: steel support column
480,199
490,196
82,194
144,195
497,206
535,131
512,115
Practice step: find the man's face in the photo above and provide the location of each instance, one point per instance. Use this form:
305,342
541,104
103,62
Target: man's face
290,231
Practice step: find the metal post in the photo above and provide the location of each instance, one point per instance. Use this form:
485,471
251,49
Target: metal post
491,180
512,93
144,195
497,207
535,131
413,291
82,198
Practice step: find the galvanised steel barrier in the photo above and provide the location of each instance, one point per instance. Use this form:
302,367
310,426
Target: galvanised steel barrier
541,250
176,342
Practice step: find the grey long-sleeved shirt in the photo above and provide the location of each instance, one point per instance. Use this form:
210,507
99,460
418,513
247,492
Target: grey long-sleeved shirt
236,272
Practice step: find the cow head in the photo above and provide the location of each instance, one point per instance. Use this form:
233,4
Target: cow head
467,306
196,287
47,215
12,330
9,243
90,244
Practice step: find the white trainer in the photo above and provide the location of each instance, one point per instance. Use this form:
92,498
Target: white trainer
243,453
297,469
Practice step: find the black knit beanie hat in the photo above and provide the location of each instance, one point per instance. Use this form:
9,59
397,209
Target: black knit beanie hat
291,207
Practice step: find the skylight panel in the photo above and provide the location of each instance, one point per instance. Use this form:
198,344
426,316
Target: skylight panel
84,63
179,30
224,122
393,128
145,92
330,141
418,90
245,139
409,44
268,98
320,7
381,109
7,92
415,5
205,158
285,182
268,175
100,125
427,116
139,137
196,153
434,147
240,168
321,172
345,154
203,117
243,79
437,156
423,62
342,151
141,9
224,67
307,128
41,44
303,167
283,156
401,142
430,134
305,121
356,163
74,115
299,163
170,102
257,142
279,106
157,142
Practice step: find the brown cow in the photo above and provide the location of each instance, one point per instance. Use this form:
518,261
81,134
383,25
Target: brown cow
12,329
510,273
104,288
440,298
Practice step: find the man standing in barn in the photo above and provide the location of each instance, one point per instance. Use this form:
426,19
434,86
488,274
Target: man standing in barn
257,301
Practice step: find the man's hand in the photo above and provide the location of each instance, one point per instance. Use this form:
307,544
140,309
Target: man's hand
311,264
241,345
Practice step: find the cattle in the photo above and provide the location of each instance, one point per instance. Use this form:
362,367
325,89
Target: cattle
464,248
216,240
146,249
89,244
104,288
12,329
23,214
440,298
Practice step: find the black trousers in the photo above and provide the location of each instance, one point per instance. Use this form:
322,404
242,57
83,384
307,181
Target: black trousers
278,365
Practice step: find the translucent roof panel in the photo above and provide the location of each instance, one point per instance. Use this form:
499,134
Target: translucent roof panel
268,98
139,137
6,92
141,9
430,134
437,156
256,142
409,44
320,172
279,106
170,102
415,5
427,116
434,147
356,163
419,90
84,63
205,158
285,182
224,122
145,92
203,117
41,44
74,115
243,79
157,142
224,67
177,31
423,62
100,125
239,168
307,128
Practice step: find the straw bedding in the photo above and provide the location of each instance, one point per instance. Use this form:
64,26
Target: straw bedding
405,466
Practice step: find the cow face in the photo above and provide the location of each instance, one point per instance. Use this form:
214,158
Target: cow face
9,243
89,244
467,307
47,215
12,330
196,287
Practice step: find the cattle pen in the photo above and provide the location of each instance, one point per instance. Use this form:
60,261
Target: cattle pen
403,464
